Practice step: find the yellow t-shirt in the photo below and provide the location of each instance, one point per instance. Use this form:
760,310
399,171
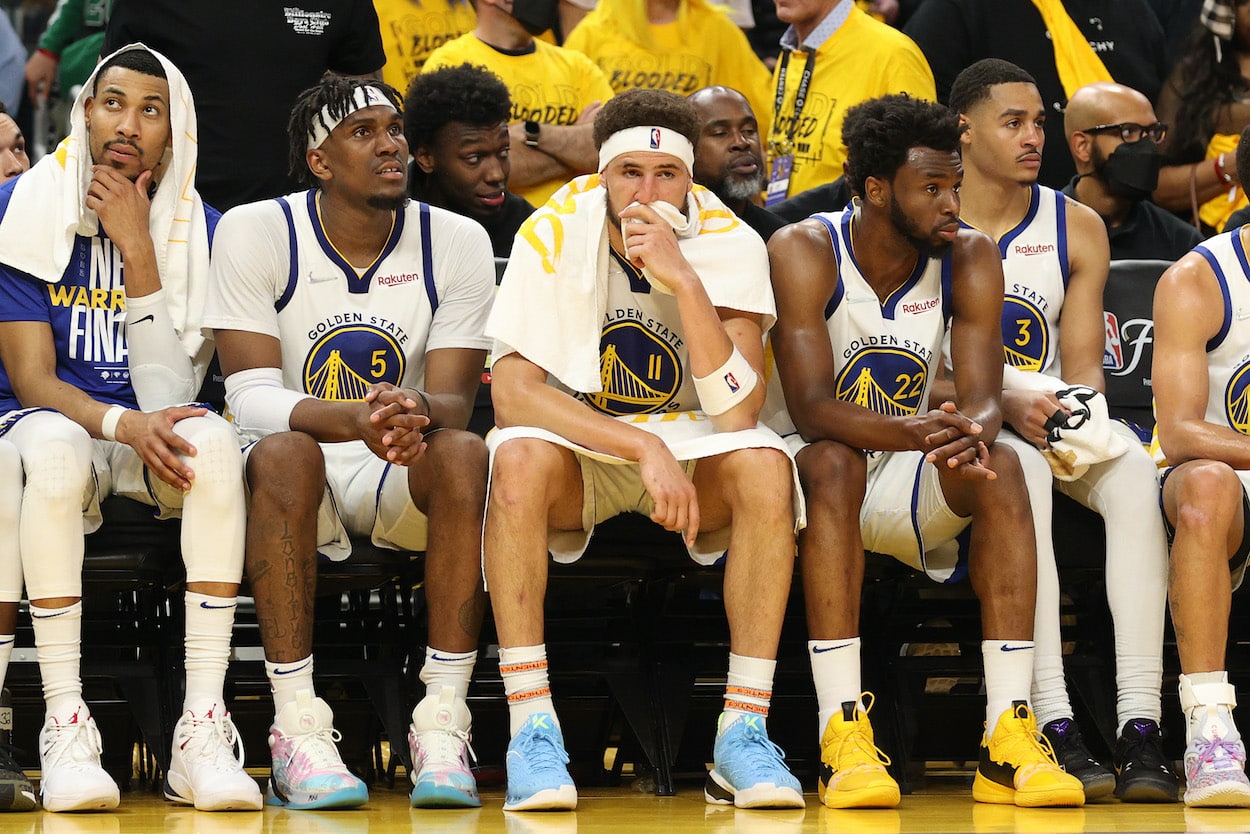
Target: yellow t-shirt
863,59
551,85
413,29
706,48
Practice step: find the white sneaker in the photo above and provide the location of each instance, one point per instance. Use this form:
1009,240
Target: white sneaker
69,758
308,772
206,765
438,739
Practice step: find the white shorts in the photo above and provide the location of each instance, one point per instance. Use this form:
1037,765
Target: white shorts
364,496
612,485
905,514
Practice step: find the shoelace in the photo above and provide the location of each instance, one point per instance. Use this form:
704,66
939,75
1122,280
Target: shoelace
863,753
1147,749
318,747
541,750
75,744
757,751
1234,751
446,746
8,758
211,738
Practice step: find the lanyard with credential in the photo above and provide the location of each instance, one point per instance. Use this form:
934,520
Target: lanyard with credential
800,98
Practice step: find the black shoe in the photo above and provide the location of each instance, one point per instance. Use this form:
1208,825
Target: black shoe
16,792
1070,751
1143,774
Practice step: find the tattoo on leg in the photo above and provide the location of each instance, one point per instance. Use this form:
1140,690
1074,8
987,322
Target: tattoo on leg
470,614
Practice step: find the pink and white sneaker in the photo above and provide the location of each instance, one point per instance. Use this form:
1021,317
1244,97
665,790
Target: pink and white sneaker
438,739
307,769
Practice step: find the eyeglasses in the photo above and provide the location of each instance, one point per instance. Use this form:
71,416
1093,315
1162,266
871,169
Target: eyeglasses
1131,132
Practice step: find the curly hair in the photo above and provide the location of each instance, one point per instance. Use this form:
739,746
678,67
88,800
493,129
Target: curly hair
334,92
652,108
879,132
470,94
1205,83
972,85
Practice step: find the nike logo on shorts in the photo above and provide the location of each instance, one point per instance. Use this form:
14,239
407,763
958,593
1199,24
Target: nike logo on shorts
142,319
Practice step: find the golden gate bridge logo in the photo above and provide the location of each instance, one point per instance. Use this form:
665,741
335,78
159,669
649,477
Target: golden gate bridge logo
348,360
639,372
1026,336
887,381
1237,400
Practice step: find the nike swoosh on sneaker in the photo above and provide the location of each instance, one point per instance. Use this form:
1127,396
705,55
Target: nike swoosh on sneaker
218,607
819,650
290,671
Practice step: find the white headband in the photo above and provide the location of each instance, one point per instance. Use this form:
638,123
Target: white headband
362,97
659,139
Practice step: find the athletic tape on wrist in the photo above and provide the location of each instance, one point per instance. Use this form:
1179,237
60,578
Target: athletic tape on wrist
108,425
726,386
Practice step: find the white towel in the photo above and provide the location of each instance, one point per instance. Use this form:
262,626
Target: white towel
1084,437
553,295
48,208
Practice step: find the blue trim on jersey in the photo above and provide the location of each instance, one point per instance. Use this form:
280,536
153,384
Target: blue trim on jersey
377,496
637,282
1228,302
888,306
1035,194
427,258
915,522
293,273
357,284
948,268
1061,234
838,290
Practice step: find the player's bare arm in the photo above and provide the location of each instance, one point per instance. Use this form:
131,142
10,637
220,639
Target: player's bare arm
804,279
29,355
1189,311
323,420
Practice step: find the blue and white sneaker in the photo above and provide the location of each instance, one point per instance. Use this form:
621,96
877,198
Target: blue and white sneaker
438,739
748,770
538,778
308,772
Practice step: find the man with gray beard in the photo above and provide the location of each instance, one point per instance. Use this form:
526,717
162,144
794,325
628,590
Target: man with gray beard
728,159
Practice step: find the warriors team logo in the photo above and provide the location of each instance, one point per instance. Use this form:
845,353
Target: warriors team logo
1026,338
348,360
638,370
1237,399
885,380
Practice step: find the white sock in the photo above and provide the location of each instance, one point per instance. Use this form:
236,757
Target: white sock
286,679
210,621
835,671
453,669
524,673
748,688
1008,675
58,642
6,652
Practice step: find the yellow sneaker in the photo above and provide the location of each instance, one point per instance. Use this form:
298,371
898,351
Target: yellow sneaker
1018,767
852,769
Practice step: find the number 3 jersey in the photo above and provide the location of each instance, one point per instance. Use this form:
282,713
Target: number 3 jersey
342,329
884,352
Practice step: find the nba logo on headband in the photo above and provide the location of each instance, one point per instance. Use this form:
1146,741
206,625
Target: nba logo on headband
655,138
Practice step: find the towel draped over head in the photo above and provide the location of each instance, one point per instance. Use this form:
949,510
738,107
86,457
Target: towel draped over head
553,296
47,209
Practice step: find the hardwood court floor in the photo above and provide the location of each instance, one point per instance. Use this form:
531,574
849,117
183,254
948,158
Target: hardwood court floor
941,808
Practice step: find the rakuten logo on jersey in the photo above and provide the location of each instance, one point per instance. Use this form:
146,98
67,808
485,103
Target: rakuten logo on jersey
396,280
1030,249
918,307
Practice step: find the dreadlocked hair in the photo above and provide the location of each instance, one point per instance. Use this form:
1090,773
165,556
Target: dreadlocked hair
334,94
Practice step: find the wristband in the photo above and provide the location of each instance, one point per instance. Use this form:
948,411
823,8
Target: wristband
424,401
108,425
1220,174
49,53
726,386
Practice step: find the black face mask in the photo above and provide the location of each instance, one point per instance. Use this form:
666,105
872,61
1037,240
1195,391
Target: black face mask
537,16
1132,170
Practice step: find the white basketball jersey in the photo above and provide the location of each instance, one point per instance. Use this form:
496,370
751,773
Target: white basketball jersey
343,329
1228,354
1035,269
883,352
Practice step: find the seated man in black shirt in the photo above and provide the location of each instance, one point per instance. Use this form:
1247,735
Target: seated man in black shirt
728,159
1112,133
456,121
